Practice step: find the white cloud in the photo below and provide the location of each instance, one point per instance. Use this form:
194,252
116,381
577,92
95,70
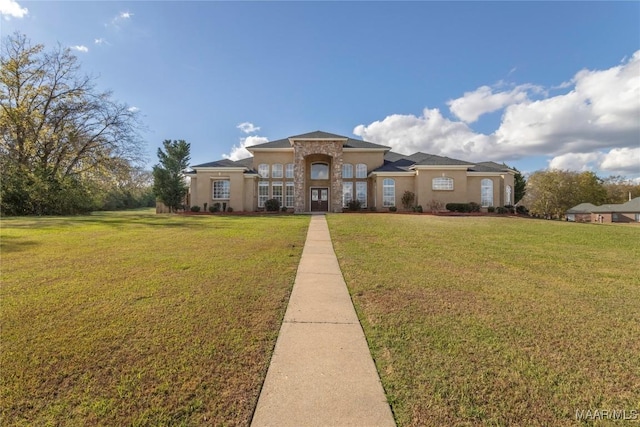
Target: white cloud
133,109
594,124
125,15
483,100
11,9
100,41
248,127
80,48
622,159
240,152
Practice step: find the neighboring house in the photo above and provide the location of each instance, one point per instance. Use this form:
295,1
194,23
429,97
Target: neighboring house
625,212
580,213
323,172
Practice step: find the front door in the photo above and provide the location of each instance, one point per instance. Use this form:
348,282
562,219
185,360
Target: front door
319,199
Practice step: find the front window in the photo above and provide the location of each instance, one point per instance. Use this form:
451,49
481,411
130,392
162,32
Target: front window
347,170
361,170
443,183
221,189
276,170
263,193
486,193
388,192
289,199
319,171
507,195
361,193
347,193
276,190
288,173
263,170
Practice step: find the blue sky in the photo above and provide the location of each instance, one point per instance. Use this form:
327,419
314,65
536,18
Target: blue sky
533,84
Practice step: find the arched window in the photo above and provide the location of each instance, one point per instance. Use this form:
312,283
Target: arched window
347,170
442,183
361,170
319,171
388,192
507,195
276,170
263,170
486,193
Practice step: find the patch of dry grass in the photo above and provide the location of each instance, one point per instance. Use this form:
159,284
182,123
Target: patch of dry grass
496,321
141,319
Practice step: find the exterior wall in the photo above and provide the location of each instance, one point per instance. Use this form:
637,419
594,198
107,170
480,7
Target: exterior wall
425,193
202,189
373,160
281,157
403,183
474,188
305,152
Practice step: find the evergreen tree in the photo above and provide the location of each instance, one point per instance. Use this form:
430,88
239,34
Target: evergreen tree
169,184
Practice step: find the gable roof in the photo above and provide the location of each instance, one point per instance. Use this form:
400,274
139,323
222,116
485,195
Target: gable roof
582,208
318,134
224,163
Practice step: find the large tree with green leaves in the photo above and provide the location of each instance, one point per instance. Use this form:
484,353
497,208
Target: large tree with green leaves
60,137
520,186
550,193
169,183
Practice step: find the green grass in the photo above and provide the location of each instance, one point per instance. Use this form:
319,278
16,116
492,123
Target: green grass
141,319
496,321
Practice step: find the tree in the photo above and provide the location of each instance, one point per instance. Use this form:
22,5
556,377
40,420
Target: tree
619,189
520,186
58,133
551,193
169,184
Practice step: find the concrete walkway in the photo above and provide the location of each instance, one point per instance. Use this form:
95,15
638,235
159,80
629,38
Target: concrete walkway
321,372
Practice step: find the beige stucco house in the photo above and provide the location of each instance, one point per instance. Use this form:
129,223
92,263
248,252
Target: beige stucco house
322,172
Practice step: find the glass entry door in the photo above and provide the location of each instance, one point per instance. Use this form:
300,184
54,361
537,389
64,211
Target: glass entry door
319,199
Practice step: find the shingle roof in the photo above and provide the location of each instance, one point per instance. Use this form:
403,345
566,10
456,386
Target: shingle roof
357,143
279,143
582,208
392,156
630,206
433,160
224,163
318,134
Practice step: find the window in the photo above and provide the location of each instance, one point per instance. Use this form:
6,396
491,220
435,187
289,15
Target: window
319,171
263,170
361,170
289,195
347,193
388,192
507,195
221,189
443,183
288,172
361,193
263,193
347,170
276,191
486,193
276,170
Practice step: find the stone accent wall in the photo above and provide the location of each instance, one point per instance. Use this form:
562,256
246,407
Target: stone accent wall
302,149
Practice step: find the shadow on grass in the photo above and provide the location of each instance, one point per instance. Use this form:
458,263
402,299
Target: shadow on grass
15,244
129,218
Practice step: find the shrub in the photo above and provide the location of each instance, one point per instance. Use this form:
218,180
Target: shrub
522,210
354,205
205,207
417,208
284,209
272,205
435,205
491,209
510,208
502,210
214,208
229,209
459,207
475,207
408,198
195,208
372,208
392,209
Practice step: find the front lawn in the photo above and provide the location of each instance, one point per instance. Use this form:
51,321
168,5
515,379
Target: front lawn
496,321
141,319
